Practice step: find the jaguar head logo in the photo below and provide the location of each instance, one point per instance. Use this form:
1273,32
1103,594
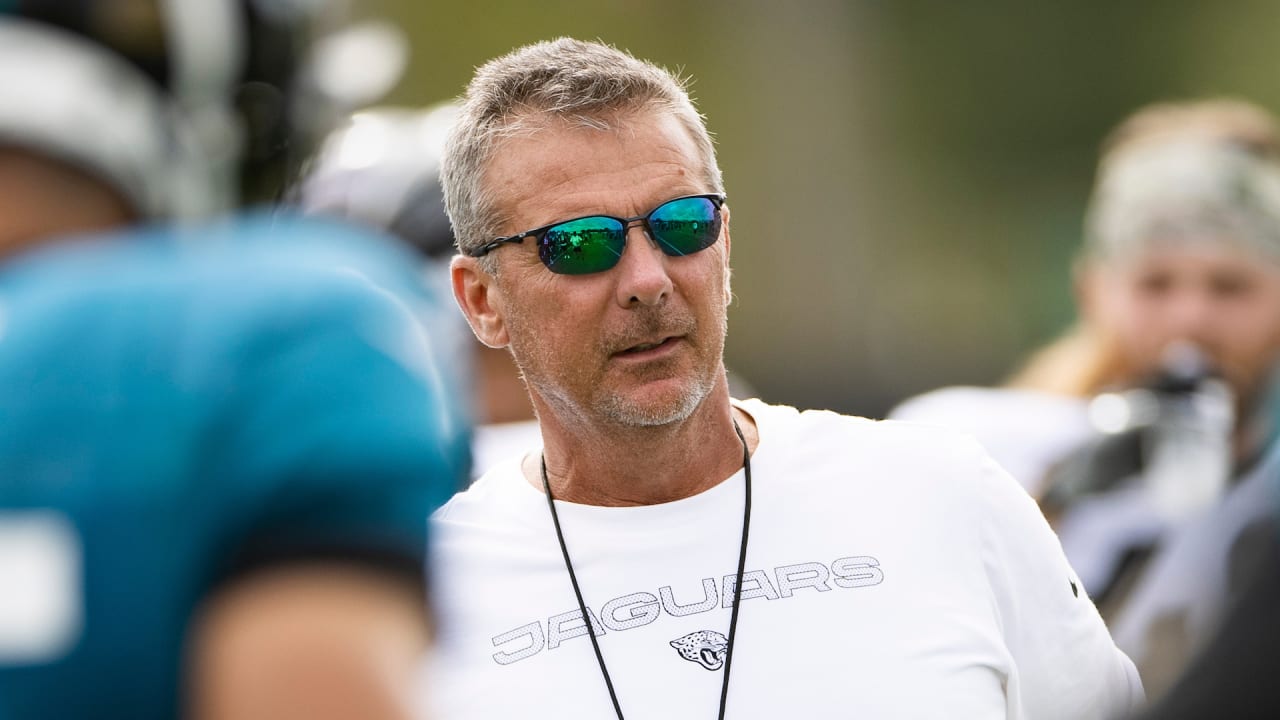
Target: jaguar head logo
705,647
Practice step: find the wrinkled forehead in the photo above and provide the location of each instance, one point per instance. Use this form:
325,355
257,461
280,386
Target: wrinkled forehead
566,130
531,120
620,147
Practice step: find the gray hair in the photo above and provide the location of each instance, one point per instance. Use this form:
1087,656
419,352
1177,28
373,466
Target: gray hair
1177,174
585,84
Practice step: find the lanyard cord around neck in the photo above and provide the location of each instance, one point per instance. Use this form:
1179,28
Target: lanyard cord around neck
737,586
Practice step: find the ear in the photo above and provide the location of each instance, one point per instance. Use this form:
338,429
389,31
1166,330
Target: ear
478,296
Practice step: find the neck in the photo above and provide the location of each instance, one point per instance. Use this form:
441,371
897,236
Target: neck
608,466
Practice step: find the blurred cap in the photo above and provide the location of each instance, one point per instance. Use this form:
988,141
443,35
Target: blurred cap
1204,172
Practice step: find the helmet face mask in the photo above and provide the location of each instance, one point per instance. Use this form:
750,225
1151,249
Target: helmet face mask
185,107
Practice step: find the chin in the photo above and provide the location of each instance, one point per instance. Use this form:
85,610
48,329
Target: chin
653,409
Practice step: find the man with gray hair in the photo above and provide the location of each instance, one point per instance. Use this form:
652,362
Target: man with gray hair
668,534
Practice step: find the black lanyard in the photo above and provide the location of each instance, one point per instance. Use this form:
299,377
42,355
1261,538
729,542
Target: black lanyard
737,587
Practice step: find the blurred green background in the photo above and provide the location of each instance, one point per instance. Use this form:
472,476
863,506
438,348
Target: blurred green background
907,178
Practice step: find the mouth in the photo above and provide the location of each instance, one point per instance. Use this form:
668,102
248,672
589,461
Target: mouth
651,347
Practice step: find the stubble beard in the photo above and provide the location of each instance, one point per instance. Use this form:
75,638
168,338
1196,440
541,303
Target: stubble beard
626,411
622,410
610,406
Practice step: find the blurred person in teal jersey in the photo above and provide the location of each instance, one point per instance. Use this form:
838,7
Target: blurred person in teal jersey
220,434
381,168
1146,430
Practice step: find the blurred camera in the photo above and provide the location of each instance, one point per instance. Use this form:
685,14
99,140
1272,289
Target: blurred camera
1172,434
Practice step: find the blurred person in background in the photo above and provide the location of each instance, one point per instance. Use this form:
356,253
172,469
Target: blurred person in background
220,436
381,168
1233,675
597,577
1148,430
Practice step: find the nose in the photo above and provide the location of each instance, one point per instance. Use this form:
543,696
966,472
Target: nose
1191,314
642,271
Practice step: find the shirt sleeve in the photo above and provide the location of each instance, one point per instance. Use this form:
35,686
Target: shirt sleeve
1065,664
340,433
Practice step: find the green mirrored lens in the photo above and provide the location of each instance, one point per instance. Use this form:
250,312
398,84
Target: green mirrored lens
585,245
686,225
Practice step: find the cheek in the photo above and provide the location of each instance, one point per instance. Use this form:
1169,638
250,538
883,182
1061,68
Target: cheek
1253,333
1132,319
535,332
1254,313
715,283
709,301
553,327
1136,333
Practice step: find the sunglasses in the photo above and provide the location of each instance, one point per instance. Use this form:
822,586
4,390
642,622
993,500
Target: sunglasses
592,244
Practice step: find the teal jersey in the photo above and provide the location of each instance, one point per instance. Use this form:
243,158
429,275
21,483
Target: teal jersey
178,407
